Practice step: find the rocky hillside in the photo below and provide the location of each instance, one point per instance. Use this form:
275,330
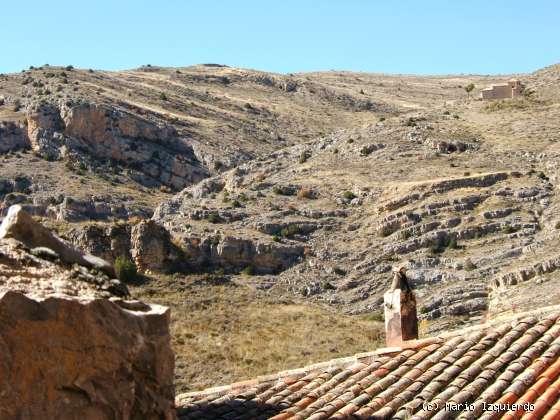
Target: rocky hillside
312,185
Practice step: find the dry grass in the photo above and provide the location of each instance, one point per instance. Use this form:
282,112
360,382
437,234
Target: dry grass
507,104
224,333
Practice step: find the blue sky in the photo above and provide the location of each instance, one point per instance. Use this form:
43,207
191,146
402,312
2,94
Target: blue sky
399,36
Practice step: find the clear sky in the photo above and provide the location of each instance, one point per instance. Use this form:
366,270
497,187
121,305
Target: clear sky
398,36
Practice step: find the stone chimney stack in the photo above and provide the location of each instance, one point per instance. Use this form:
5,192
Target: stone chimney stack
401,323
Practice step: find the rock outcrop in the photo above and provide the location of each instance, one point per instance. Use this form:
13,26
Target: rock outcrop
73,344
20,226
89,133
153,250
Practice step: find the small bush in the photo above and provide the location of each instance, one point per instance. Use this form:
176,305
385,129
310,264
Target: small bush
405,234
440,245
542,176
276,238
339,271
214,218
348,195
304,156
367,150
163,96
510,229
452,244
384,232
69,68
16,105
507,105
248,271
125,269
279,190
290,231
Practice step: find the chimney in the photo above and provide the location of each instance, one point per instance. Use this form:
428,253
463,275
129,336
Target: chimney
401,323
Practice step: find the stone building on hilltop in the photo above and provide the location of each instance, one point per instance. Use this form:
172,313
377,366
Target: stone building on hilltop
512,89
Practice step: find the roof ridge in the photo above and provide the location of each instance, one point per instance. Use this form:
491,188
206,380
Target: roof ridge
500,319
340,362
293,375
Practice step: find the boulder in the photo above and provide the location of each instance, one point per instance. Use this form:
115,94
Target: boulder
19,225
153,250
84,359
107,242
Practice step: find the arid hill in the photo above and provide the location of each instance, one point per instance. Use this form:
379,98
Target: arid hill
305,187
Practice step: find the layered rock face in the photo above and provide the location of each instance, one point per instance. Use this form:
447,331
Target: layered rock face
74,345
89,134
156,150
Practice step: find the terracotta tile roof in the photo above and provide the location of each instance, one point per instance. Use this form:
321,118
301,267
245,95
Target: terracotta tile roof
509,370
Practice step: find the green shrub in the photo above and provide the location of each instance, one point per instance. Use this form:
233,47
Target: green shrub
405,234
507,105
384,232
304,156
452,243
163,96
510,229
290,231
248,271
348,195
125,269
367,150
542,176
214,218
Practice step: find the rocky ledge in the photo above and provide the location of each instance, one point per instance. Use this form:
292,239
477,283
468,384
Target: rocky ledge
74,345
